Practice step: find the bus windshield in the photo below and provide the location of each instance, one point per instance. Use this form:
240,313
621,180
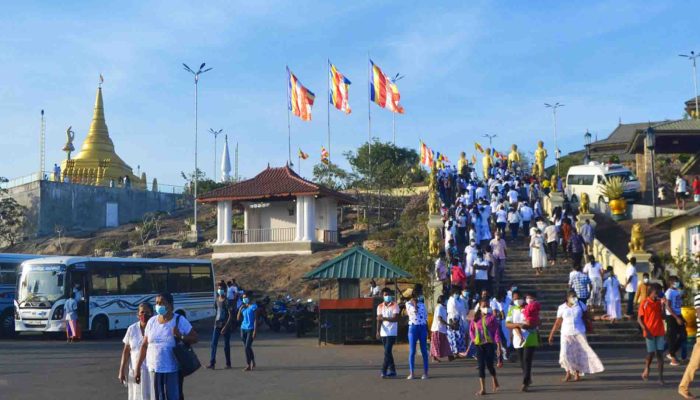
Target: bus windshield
627,176
41,283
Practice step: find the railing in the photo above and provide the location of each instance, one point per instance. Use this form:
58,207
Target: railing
326,236
23,180
49,176
264,235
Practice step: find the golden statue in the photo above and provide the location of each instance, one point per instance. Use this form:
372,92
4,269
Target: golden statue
636,243
555,183
585,203
486,163
540,156
434,241
69,148
513,157
462,162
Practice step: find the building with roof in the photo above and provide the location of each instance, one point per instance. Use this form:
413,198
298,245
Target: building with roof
283,213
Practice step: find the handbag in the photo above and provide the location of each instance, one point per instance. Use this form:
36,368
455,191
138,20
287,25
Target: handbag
186,357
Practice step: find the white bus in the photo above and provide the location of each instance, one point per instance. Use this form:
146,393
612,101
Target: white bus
8,282
589,178
110,290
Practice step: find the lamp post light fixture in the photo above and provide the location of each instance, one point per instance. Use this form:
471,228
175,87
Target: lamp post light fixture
215,133
650,143
692,56
490,138
196,75
554,116
587,144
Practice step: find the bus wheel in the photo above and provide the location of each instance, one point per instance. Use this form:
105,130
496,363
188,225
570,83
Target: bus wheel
7,324
100,328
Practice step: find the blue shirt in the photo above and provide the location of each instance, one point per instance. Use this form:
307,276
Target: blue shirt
248,314
673,297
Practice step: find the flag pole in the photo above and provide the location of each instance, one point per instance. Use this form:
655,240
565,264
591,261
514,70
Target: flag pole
299,163
289,121
328,106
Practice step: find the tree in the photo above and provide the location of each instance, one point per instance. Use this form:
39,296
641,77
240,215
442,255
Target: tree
411,249
204,184
12,217
388,166
332,176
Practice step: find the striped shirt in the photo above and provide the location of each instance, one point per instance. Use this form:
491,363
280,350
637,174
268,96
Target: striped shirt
697,316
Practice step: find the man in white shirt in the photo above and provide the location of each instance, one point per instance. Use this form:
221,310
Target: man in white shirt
551,237
498,253
470,253
387,330
513,197
526,215
588,235
631,286
680,191
456,306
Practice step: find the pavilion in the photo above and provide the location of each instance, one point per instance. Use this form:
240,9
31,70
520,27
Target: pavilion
283,213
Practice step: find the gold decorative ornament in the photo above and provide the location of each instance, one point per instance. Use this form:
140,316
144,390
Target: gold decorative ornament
486,163
540,157
636,243
585,204
513,157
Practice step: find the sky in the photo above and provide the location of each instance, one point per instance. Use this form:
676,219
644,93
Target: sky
471,68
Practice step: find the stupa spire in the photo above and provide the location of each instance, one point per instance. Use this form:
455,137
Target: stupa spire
225,162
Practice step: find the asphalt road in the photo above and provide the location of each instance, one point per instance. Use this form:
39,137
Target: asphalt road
290,368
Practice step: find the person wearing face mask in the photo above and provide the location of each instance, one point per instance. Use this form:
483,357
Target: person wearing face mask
222,326
457,308
525,335
130,356
387,330
611,290
575,355
249,326
439,346
417,330
484,334
643,289
159,338
675,324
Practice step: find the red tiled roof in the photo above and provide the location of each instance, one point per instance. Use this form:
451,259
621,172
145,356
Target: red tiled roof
272,183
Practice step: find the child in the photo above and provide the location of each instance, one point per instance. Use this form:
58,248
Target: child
531,314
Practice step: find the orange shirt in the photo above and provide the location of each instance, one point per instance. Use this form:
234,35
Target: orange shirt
651,314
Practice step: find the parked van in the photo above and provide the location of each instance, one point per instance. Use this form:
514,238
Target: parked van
588,178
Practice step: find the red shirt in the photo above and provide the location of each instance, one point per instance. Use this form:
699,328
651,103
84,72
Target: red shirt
651,314
696,186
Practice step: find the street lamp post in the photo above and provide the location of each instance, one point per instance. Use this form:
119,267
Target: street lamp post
587,144
395,79
490,137
650,143
554,115
215,133
692,57
196,75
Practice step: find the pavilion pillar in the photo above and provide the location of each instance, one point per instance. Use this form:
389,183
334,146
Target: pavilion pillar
309,218
300,219
228,221
332,214
219,222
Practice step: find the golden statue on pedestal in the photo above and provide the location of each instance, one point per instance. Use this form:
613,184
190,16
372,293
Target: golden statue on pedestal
433,202
540,156
487,163
636,243
584,207
513,157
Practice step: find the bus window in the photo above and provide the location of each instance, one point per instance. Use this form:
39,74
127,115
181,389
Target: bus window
157,279
179,278
201,278
132,281
600,180
105,281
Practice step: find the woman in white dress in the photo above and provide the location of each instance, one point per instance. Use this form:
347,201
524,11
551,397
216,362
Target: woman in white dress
539,257
575,355
613,306
130,356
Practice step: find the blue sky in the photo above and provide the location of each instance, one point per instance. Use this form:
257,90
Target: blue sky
471,68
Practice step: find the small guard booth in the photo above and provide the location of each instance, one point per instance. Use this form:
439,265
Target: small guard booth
351,318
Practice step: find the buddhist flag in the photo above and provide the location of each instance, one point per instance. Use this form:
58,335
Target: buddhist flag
300,98
303,155
383,91
496,154
426,155
478,147
339,90
324,155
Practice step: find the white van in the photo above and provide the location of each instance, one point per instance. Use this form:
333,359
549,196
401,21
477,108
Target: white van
587,178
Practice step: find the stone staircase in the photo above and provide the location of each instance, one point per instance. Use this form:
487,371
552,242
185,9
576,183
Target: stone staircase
551,290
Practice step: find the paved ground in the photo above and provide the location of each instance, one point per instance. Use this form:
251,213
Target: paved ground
290,368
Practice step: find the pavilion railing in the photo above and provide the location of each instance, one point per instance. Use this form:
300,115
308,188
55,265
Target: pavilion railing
264,235
327,236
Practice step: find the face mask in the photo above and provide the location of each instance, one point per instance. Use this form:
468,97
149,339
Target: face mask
388,299
220,292
143,317
676,285
161,309
455,295
465,294
246,300
646,280
519,302
485,310
572,300
514,288
421,298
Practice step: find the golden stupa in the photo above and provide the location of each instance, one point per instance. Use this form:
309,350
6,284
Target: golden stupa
97,163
